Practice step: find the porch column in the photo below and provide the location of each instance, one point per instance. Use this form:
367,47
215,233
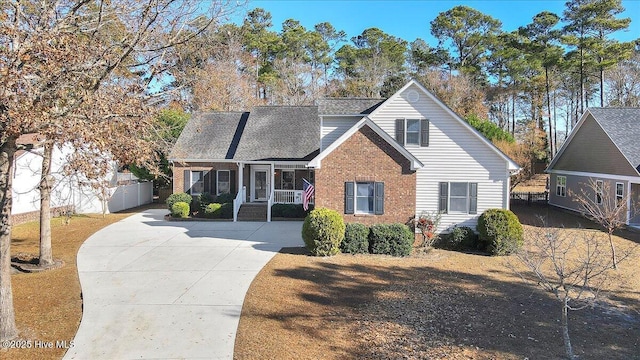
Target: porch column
240,178
272,171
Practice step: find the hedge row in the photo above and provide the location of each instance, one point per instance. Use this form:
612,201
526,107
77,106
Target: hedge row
324,233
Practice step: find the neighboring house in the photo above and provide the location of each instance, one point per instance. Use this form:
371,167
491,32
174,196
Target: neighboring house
69,193
373,160
604,149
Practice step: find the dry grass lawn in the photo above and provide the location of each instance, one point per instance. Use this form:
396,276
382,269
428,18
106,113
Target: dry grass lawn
48,305
435,305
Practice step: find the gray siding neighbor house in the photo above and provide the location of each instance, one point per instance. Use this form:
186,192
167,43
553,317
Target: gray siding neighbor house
373,160
602,150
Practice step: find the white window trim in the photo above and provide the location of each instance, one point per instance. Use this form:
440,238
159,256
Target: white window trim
218,181
406,125
467,197
191,183
599,191
619,197
561,186
355,198
282,179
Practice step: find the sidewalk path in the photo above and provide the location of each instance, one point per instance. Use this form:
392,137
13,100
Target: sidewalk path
154,289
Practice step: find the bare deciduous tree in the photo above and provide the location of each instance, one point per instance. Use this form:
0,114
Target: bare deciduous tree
600,203
573,265
75,71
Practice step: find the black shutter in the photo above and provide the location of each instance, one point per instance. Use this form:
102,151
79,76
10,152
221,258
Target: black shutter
400,131
444,197
473,198
207,182
424,132
232,182
378,205
348,198
187,181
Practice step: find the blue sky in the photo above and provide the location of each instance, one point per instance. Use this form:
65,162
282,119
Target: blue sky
411,19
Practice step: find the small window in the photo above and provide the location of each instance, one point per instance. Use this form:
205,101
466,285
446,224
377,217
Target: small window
458,197
412,132
288,181
561,186
619,193
223,183
196,182
364,198
599,191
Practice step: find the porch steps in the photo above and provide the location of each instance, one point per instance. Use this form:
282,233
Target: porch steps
253,212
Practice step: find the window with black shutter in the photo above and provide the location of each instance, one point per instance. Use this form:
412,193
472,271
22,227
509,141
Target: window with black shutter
412,132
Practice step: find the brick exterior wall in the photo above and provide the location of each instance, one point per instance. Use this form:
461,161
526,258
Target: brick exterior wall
365,156
179,168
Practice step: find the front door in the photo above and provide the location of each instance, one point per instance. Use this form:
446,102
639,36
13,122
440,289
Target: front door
259,184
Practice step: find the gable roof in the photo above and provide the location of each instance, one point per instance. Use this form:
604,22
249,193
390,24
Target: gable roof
265,133
365,121
512,165
347,106
621,125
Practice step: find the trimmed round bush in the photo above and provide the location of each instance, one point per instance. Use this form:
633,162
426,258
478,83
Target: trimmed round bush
461,237
500,231
393,239
204,200
213,210
323,231
356,239
178,197
180,209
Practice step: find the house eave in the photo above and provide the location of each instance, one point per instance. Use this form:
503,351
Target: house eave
415,164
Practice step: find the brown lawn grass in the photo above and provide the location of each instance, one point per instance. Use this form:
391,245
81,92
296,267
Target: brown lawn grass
48,305
438,305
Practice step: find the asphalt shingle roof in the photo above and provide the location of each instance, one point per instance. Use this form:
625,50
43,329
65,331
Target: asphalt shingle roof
623,127
265,133
347,106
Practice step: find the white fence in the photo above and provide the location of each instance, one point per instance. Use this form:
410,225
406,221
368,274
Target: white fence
130,196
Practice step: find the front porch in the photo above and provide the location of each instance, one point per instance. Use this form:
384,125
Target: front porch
271,183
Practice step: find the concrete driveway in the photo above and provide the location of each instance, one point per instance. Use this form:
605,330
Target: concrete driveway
154,289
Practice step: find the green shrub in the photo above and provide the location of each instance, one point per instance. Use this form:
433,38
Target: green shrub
204,200
178,197
356,239
213,210
226,211
462,237
225,198
294,211
323,231
393,239
500,231
180,209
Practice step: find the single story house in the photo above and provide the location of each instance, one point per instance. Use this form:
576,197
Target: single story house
601,154
373,160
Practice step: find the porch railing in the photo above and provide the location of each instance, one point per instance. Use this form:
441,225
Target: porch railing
287,196
237,202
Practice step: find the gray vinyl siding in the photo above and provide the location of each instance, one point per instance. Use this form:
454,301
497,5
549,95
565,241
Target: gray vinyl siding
635,204
454,154
591,150
578,186
333,127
